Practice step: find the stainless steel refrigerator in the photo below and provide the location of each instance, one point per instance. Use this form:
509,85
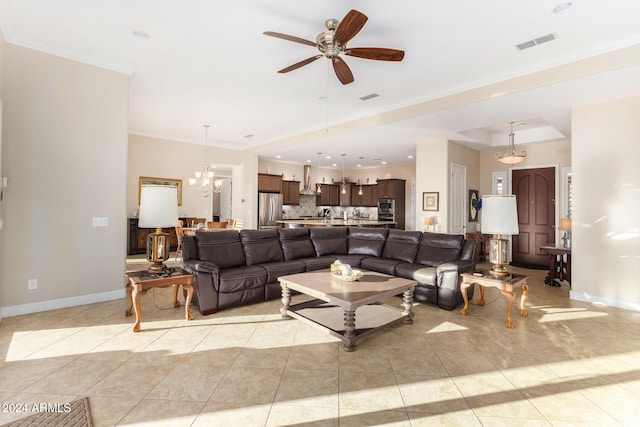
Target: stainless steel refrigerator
269,210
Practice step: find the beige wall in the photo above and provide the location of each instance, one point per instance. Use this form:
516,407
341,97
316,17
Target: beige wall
432,174
176,160
606,186
65,155
470,159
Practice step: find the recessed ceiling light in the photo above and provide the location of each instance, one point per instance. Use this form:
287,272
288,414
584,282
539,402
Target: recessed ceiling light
384,163
328,157
562,7
308,161
410,156
334,165
278,156
359,166
141,34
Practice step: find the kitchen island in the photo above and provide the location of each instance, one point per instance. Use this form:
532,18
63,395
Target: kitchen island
337,222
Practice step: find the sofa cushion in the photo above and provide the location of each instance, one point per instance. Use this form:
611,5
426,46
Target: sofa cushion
261,246
329,240
318,262
438,248
402,245
241,278
222,248
296,243
381,265
283,268
366,241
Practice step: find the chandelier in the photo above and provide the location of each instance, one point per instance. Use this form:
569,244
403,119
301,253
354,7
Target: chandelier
511,157
203,181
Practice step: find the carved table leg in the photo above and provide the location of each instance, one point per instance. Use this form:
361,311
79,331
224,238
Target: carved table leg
509,295
128,289
187,303
136,306
481,300
176,303
286,300
349,331
407,303
523,298
463,291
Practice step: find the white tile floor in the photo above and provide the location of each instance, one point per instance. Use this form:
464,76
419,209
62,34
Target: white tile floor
568,364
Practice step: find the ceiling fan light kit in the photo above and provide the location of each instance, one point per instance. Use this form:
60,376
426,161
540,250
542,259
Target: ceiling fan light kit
333,42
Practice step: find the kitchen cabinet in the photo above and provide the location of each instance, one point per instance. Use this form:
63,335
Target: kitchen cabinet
391,188
137,241
290,192
345,198
268,183
369,197
329,196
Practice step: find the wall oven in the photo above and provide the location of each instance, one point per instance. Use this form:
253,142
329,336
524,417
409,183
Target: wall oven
386,210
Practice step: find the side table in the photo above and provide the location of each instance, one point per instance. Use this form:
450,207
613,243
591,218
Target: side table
559,269
143,280
506,286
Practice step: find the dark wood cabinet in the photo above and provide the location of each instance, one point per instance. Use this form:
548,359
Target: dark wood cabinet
137,241
290,192
329,196
369,197
268,183
391,188
345,198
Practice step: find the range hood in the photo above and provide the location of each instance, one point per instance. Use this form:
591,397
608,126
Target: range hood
307,190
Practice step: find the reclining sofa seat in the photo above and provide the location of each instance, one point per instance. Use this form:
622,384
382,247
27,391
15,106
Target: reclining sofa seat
438,263
222,277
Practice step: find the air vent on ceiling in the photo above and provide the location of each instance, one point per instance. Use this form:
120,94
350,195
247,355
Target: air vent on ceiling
370,96
537,41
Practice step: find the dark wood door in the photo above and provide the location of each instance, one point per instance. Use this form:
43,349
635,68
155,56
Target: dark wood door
535,195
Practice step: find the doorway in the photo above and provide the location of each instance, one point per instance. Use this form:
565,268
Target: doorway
458,199
535,191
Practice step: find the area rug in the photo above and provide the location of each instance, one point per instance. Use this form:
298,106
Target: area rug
73,414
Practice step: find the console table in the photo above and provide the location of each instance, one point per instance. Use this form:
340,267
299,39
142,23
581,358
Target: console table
481,245
559,268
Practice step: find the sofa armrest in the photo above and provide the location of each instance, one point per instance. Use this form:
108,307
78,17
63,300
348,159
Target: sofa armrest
448,276
196,266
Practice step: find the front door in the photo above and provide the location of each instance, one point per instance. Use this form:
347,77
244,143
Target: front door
535,191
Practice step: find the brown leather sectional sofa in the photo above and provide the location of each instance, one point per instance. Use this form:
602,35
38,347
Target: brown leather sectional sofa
234,268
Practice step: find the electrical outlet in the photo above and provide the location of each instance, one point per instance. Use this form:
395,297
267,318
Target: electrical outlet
32,284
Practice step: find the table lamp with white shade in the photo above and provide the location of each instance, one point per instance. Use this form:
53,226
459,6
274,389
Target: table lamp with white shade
158,209
565,225
499,217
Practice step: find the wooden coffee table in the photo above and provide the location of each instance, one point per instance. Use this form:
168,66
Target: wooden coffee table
334,308
507,288
143,280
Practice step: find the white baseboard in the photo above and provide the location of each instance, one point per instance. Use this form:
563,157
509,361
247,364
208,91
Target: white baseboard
585,297
37,307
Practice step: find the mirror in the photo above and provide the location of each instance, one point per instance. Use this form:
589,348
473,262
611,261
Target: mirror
147,180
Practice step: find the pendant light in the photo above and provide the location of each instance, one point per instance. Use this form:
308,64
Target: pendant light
344,184
511,157
203,181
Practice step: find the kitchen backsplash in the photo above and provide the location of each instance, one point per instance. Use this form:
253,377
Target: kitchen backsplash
308,208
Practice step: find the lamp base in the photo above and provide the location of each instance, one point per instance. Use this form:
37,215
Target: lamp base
500,271
157,267
157,250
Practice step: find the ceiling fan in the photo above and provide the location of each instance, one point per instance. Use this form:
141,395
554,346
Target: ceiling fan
333,42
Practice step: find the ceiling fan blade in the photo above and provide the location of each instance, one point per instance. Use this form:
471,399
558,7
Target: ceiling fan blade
290,38
350,25
300,64
342,70
376,53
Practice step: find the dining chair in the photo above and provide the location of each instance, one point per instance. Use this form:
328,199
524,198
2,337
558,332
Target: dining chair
216,224
179,235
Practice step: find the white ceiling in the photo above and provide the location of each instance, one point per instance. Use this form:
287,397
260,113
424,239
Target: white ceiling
462,77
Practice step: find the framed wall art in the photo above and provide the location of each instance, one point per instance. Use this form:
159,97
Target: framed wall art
430,201
473,205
